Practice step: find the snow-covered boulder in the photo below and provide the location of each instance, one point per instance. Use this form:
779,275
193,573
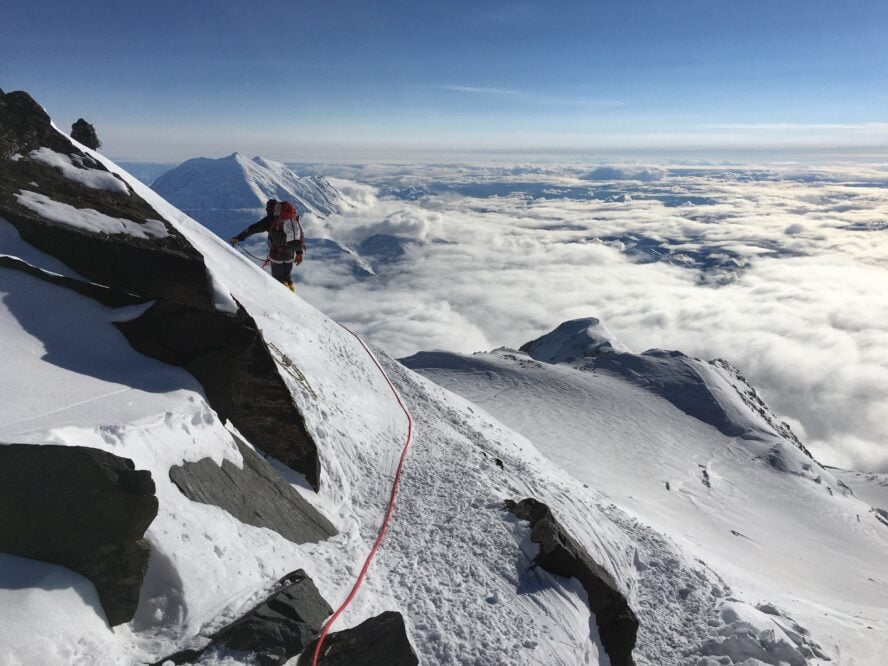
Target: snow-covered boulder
560,554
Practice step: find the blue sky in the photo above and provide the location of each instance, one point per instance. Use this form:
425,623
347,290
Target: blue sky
169,80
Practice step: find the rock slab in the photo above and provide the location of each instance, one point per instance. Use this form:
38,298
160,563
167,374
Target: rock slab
81,508
276,630
255,494
561,555
379,640
228,356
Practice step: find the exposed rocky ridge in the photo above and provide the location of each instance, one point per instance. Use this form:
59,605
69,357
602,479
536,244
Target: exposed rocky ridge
752,399
225,352
84,509
167,267
378,640
561,555
256,495
275,630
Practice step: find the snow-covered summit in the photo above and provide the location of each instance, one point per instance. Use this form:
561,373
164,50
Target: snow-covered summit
237,182
573,340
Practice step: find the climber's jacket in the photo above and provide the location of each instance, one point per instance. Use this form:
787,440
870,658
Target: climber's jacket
286,239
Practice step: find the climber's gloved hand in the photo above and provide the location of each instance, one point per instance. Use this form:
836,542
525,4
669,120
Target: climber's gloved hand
233,240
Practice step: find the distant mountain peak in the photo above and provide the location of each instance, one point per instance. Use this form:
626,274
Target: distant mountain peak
204,186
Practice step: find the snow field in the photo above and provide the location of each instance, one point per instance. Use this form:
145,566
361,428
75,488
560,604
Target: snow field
788,536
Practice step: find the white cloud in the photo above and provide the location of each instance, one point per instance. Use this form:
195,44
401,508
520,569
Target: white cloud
801,310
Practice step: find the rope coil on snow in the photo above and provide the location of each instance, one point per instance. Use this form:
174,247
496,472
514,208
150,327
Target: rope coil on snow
388,513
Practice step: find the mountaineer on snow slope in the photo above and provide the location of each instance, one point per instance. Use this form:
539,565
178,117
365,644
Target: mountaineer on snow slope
286,239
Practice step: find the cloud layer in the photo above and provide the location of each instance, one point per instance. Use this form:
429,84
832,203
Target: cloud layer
783,272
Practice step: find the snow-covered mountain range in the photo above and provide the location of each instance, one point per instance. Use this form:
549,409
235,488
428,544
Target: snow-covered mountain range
194,464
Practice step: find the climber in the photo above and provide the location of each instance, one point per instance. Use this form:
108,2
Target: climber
286,240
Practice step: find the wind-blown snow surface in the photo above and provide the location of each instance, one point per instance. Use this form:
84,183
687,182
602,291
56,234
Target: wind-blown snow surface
453,562
779,529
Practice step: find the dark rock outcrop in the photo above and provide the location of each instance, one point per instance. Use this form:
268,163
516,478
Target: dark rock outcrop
225,352
85,133
97,292
256,495
274,631
81,508
379,640
561,555
168,267
228,356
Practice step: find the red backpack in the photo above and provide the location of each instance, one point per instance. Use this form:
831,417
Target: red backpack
288,211
277,233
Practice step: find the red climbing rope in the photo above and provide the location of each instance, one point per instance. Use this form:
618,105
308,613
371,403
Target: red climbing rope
388,512
264,262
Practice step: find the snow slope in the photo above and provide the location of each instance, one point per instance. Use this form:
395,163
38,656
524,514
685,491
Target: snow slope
454,562
751,504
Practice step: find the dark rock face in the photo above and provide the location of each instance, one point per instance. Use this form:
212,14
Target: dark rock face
226,353
168,268
274,631
228,356
81,508
561,555
24,125
379,640
255,495
97,292
85,133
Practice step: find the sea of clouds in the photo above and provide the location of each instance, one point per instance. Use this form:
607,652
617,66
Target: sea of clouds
783,271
